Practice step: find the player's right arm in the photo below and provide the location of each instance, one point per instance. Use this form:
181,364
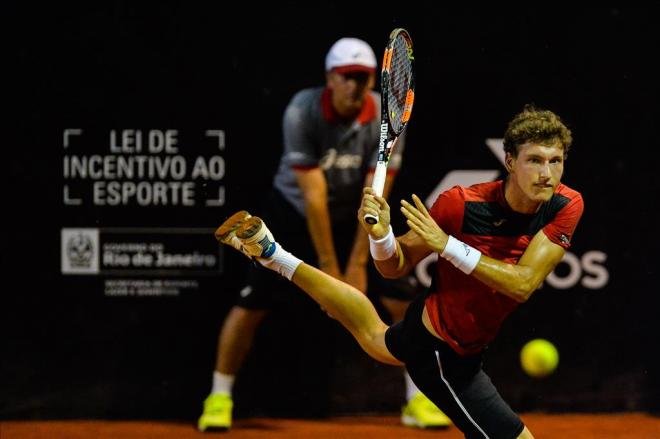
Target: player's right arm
300,153
410,248
315,193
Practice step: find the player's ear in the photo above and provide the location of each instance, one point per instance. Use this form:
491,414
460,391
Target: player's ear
508,161
330,79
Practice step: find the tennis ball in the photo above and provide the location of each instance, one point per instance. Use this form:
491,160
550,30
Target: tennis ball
539,358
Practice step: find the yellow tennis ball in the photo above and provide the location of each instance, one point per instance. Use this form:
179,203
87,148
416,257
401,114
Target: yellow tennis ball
539,358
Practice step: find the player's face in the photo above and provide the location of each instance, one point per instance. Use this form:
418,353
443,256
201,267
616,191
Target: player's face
537,170
349,90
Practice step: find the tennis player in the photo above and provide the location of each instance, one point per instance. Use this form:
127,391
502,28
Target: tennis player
497,242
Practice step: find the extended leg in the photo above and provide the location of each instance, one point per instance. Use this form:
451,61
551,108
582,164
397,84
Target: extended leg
350,307
343,302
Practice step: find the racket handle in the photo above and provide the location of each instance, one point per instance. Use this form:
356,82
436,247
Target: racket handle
378,185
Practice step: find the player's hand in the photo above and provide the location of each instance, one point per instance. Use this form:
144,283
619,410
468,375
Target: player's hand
420,221
374,205
356,276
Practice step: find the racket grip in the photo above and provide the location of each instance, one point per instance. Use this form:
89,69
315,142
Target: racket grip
378,184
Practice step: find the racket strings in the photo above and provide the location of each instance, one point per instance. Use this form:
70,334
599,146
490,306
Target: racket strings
400,79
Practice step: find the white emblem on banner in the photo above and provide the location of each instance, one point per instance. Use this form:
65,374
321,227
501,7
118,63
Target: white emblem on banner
80,251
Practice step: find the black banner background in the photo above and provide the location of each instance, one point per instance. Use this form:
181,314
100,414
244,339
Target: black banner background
68,350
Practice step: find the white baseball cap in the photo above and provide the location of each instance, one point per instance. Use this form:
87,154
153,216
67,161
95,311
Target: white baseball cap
350,55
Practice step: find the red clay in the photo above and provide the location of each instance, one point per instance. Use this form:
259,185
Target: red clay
605,426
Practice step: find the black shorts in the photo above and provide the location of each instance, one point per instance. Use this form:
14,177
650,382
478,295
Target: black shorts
456,384
266,289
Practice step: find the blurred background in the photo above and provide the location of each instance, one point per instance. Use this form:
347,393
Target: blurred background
114,288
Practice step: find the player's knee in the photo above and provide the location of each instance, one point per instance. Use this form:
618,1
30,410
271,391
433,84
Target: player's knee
526,434
373,343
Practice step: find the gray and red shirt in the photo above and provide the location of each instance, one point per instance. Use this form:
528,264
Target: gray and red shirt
315,137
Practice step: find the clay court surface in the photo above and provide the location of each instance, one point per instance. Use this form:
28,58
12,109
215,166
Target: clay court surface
618,426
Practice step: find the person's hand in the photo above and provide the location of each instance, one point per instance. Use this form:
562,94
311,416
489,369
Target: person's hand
374,205
420,221
356,276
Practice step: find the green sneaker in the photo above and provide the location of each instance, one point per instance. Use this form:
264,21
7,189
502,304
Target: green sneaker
217,412
420,412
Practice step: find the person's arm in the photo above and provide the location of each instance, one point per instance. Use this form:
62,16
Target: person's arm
401,254
356,268
517,281
410,249
315,193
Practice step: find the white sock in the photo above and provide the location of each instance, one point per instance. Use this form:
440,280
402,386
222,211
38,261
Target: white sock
222,383
281,261
411,388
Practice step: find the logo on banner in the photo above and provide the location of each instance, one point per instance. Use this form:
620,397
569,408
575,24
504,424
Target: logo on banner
80,251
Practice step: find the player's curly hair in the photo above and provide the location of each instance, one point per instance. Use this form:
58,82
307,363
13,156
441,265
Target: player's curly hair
538,126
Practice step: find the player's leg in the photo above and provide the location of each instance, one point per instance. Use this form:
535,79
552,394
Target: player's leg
469,398
349,306
343,302
236,338
395,296
234,343
455,383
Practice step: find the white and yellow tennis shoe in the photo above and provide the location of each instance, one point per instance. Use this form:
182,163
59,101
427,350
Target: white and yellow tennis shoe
226,233
247,234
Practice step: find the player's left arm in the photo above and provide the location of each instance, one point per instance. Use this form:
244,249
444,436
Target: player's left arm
517,281
520,280
541,256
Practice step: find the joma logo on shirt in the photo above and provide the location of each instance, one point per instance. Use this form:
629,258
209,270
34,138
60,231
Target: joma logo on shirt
340,161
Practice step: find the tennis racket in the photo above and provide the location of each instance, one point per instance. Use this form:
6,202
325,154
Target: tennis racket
397,85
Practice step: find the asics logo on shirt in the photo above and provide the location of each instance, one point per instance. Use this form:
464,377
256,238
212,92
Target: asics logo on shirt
340,161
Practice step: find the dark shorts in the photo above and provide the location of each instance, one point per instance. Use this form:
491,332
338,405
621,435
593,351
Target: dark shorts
456,384
265,289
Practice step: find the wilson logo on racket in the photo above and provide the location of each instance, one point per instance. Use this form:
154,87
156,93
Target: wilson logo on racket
383,135
397,96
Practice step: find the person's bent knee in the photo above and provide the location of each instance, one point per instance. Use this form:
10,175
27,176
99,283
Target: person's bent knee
526,434
373,343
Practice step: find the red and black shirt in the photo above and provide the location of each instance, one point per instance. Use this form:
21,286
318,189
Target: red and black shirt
464,311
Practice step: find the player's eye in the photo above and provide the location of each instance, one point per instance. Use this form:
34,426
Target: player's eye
360,77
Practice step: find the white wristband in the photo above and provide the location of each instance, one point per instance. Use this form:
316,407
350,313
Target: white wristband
464,257
383,248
